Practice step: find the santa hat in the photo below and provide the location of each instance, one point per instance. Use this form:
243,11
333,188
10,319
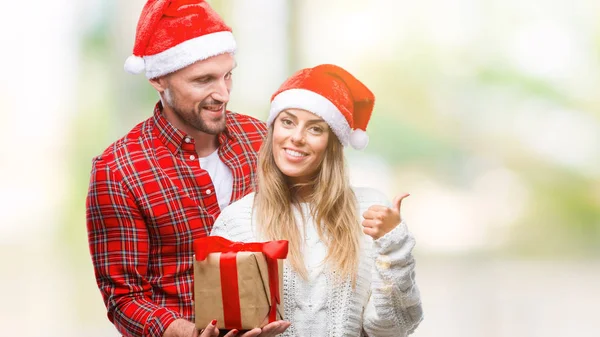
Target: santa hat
172,34
333,94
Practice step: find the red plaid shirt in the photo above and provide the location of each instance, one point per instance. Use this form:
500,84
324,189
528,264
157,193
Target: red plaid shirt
148,200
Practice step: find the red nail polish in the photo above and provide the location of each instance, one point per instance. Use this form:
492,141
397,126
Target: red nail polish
234,331
214,322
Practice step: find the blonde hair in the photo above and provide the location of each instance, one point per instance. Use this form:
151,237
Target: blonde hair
333,207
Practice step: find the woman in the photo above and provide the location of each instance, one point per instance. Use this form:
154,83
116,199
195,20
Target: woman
340,279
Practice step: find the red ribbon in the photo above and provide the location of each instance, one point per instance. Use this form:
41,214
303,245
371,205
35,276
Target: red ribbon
272,250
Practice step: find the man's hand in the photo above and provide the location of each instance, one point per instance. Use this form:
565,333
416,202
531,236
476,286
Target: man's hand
380,220
180,328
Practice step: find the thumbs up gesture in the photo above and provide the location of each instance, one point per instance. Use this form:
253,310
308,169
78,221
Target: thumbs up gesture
380,220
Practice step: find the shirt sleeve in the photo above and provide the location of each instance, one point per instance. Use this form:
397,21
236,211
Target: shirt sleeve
119,246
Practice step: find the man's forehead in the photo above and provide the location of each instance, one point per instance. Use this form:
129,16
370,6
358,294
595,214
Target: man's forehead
223,62
215,65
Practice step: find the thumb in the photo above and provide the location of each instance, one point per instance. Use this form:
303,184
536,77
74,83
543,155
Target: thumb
397,202
210,330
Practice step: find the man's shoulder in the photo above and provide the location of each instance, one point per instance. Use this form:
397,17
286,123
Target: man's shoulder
113,156
240,123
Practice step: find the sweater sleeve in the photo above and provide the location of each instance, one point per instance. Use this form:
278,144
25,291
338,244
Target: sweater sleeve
394,306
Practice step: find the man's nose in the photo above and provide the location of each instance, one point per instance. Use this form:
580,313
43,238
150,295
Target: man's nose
221,91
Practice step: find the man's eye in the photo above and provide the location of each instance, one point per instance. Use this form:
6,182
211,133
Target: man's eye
228,75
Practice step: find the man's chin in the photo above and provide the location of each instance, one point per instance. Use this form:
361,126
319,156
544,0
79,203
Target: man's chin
214,128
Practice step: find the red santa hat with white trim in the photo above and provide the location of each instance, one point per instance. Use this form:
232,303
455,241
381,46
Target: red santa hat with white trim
172,34
333,94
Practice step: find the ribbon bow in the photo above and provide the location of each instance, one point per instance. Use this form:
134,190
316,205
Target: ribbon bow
217,244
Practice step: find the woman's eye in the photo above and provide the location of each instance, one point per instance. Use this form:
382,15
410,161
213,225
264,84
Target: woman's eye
316,129
286,121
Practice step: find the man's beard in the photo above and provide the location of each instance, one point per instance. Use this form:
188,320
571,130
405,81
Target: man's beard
193,117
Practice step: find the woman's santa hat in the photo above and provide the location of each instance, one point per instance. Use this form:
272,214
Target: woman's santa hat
172,34
333,94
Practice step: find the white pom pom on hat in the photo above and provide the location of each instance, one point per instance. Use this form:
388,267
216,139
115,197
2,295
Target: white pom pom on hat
359,139
135,65
333,94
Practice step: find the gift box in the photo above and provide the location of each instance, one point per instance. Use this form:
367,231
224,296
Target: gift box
238,284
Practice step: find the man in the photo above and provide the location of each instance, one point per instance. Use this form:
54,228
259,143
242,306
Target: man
156,190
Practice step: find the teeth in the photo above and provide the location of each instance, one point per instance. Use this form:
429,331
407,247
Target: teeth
213,108
295,153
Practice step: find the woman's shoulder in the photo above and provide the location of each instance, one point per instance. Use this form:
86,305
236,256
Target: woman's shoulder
367,196
235,220
239,207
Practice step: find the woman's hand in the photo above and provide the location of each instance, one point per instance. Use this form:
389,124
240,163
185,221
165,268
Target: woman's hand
380,220
212,331
271,329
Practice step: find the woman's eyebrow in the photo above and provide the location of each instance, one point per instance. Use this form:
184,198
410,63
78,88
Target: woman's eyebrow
311,121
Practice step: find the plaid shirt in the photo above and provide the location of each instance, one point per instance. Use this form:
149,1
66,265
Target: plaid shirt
148,200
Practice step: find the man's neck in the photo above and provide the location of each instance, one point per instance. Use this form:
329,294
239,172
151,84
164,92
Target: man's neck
205,143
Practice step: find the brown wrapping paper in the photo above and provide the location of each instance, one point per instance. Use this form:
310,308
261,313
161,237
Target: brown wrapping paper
253,285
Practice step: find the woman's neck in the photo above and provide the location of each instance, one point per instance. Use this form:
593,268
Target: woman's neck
301,194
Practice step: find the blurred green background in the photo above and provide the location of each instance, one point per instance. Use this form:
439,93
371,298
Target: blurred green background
487,112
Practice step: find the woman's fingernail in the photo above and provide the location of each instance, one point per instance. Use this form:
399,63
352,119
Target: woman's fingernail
214,322
234,331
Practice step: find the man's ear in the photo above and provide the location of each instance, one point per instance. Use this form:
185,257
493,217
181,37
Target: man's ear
159,83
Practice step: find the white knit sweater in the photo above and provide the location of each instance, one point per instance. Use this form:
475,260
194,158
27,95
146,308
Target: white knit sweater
386,300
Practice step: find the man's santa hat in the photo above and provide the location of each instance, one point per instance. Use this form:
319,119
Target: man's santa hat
172,34
333,94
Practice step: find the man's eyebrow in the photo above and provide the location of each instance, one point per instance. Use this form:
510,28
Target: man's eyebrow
203,77
211,75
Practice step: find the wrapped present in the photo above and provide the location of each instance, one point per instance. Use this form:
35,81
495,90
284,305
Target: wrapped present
238,284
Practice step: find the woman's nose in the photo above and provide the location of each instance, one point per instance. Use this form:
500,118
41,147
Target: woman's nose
298,135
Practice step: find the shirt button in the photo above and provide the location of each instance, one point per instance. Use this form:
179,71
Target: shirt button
187,139
208,191
192,157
